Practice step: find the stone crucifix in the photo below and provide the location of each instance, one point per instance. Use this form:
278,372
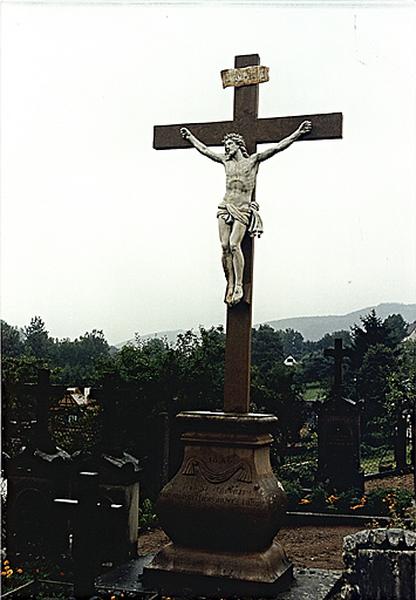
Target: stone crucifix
338,353
238,212
238,218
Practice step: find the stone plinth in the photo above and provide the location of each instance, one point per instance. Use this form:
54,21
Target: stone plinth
222,511
380,564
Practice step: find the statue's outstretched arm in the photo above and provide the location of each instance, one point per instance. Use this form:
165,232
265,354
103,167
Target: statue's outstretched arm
303,128
196,143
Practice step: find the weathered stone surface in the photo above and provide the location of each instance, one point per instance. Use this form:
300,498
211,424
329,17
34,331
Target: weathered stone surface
222,510
410,539
244,76
380,565
309,584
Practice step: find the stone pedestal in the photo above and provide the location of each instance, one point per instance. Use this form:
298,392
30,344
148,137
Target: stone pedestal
222,511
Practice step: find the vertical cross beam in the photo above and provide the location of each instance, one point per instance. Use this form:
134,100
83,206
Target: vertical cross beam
239,317
254,131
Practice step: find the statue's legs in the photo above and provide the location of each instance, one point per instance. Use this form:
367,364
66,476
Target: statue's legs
237,234
227,260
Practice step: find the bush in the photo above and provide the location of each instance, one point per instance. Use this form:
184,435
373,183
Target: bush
388,501
147,515
294,492
303,472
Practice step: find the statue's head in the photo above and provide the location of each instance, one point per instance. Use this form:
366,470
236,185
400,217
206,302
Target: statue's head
233,142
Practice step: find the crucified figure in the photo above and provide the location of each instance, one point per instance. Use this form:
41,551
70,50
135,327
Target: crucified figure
238,211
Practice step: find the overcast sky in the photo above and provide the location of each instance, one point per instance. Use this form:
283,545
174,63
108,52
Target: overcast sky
101,231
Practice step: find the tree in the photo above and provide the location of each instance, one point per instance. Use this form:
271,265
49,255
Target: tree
293,343
371,332
396,329
37,342
378,364
11,340
316,367
200,363
267,348
274,388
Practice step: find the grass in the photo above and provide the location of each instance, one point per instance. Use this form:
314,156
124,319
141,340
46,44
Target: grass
313,391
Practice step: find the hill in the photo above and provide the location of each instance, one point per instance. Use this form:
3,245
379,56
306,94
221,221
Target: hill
313,328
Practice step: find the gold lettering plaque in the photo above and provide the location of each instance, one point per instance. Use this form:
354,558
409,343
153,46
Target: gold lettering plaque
244,76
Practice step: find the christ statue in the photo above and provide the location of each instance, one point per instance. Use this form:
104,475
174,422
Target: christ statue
239,212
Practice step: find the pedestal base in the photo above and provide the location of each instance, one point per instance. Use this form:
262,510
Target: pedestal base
179,570
222,511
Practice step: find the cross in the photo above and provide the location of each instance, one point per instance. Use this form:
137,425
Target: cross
254,130
338,353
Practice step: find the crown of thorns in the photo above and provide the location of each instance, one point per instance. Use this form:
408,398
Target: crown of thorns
238,139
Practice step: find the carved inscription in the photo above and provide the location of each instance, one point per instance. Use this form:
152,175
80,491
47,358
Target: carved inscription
339,433
194,466
214,496
244,76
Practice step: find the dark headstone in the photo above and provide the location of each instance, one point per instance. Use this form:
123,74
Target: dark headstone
339,434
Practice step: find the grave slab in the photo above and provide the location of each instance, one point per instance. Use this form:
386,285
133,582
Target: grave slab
308,583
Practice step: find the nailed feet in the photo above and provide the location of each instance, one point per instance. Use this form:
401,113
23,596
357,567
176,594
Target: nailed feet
233,295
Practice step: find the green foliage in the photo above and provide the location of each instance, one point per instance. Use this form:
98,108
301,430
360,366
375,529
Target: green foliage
37,342
396,328
371,333
15,574
267,348
317,367
384,502
147,515
294,492
401,382
292,342
327,341
378,363
302,473
11,340
200,369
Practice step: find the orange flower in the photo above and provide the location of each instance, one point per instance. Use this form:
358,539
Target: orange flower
332,499
19,570
305,501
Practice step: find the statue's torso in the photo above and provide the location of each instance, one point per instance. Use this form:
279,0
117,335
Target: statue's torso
240,181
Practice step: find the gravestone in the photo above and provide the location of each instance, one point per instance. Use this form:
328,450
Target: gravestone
41,472
380,565
339,433
224,507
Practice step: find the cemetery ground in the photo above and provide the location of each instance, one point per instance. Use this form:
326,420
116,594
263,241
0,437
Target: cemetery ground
312,546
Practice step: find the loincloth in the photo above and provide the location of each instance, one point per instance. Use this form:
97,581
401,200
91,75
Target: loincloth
248,216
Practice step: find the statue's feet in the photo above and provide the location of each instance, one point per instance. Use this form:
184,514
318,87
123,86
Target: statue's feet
238,295
229,293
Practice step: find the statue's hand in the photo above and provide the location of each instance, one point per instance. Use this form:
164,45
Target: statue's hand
305,127
185,133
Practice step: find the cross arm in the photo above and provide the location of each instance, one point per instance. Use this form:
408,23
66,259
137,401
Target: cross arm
324,127
168,137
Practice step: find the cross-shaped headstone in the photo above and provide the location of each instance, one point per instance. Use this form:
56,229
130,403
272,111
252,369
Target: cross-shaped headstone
338,353
254,131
